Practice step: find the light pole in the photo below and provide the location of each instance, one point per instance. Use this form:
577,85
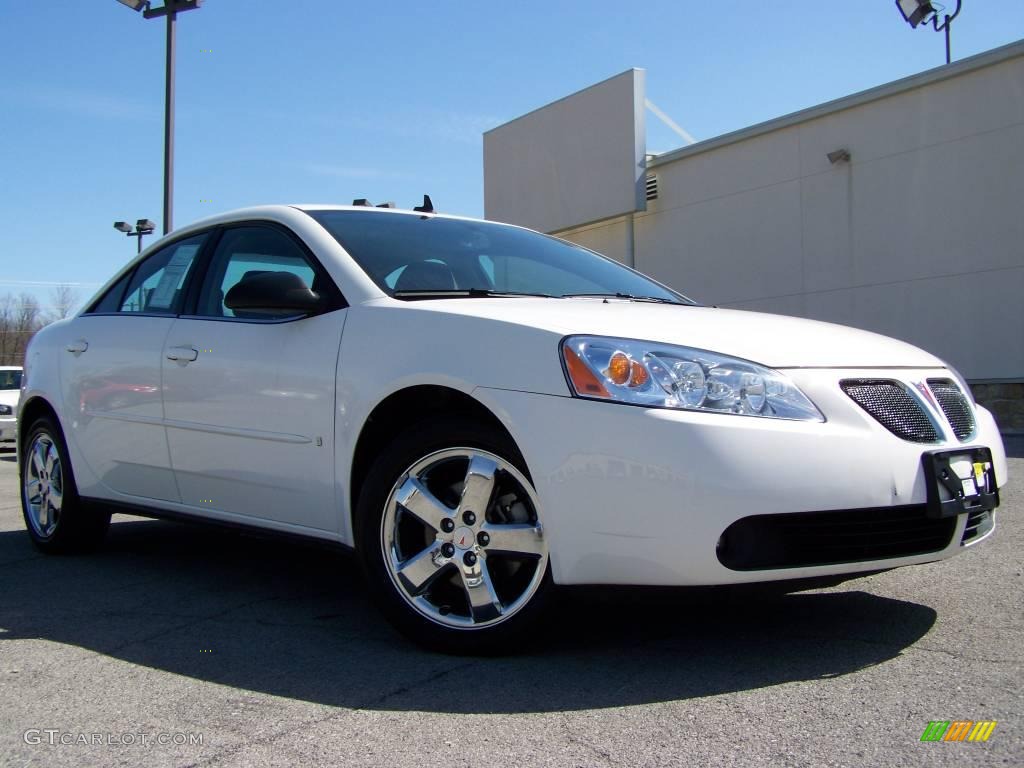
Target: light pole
170,10
917,11
142,227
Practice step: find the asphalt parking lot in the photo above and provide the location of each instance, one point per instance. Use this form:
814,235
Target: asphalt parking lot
271,654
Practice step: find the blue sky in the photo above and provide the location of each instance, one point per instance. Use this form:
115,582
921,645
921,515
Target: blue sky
317,101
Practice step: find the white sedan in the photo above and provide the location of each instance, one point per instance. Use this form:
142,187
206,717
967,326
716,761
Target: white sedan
483,412
10,391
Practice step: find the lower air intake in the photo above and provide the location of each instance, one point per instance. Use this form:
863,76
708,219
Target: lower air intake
802,539
978,524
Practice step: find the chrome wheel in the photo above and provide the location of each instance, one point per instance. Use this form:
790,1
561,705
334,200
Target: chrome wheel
462,539
43,485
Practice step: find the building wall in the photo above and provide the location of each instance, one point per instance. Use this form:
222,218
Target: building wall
593,139
920,236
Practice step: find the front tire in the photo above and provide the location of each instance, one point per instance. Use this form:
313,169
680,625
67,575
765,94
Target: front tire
449,535
56,518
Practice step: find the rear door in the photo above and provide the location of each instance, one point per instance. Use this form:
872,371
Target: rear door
249,399
111,376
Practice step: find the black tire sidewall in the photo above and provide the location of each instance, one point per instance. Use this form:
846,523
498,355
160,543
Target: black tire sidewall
427,437
79,527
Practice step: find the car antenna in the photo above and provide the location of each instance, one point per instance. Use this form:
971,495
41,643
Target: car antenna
427,207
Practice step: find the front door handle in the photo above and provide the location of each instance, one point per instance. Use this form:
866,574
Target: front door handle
77,347
182,355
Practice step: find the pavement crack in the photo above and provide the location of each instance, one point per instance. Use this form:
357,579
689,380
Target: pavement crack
439,675
335,713
578,741
962,656
268,739
23,560
191,622
909,648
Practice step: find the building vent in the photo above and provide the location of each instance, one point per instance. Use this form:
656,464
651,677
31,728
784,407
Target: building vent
652,186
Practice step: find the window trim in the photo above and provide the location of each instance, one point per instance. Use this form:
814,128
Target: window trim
203,259
333,295
125,277
132,267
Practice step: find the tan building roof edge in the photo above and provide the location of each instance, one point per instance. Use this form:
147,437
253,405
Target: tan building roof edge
944,72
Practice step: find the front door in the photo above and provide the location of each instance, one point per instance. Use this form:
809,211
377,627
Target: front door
249,399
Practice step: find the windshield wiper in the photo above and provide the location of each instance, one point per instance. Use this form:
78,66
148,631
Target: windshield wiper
460,293
620,295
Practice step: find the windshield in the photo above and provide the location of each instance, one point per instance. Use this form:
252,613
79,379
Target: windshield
10,379
411,256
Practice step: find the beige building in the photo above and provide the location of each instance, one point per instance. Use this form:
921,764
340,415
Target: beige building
899,209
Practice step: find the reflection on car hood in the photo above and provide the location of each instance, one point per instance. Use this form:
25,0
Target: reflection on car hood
773,340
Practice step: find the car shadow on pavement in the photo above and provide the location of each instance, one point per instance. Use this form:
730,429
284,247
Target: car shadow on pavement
292,620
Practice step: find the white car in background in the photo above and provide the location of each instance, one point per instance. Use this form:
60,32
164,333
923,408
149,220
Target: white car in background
10,391
483,412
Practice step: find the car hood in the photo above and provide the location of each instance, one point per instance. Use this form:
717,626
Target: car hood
773,340
10,396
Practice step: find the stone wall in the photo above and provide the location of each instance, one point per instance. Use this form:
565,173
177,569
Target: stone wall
1006,401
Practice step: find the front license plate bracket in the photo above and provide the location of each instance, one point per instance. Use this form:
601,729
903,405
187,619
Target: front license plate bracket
949,494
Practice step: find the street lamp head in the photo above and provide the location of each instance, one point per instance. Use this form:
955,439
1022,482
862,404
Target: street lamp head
123,226
914,11
136,5
144,226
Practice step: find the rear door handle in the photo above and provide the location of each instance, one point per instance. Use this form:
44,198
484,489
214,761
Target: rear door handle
77,347
182,355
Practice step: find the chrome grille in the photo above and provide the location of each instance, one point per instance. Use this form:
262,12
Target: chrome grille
954,404
892,407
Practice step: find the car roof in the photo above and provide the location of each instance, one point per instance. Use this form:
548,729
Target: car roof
291,215
282,212
10,368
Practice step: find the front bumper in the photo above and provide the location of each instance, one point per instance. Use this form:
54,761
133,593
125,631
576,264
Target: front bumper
8,428
643,496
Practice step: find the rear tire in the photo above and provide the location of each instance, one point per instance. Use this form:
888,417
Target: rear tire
56,518
449,536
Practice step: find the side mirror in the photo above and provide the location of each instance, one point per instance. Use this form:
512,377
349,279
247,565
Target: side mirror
273,293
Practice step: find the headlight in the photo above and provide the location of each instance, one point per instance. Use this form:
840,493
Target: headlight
6,410
667,376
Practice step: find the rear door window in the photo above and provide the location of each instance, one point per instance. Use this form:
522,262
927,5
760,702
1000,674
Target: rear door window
158,283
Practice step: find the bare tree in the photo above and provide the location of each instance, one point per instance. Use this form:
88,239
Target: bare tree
6,329
63,299
20,318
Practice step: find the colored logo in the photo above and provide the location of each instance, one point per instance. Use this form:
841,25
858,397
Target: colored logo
926,393
464,538
958,730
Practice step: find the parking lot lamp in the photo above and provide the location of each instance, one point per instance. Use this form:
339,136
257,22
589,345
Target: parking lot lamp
170,10
142,226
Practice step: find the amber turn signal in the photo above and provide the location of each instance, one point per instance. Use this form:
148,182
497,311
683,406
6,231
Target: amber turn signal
583,379
618,368
637,374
